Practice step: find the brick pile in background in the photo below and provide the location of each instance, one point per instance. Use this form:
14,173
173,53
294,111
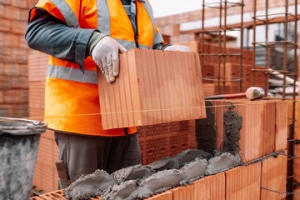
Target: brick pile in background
13,58
45,176
214,71
180,26
168,139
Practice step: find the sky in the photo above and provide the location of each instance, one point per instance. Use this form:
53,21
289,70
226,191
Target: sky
163,8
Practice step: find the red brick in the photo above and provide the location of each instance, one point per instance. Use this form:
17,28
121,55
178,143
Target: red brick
19,55
1,97
5,53
210,187
11,69
22,42
274,177
6,110
19,82
19,4
15,96
184,192
13,13
20,110
243,182
296,163
23,69
4,82
168,195
19,27
5,2
5,25
2,8
1,69
31,3
9,40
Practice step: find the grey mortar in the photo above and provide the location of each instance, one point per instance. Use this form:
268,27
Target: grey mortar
123,191
90,185
206,134
194,170
222,163
159,182
151,179
132,173
233,123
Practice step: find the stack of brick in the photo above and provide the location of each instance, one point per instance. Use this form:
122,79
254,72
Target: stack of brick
45,177
226,71
13,58
262,173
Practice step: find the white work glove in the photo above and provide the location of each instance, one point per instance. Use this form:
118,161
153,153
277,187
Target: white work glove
177,48
106,55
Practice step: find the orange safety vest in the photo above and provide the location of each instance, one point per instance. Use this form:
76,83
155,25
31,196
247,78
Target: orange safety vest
71,97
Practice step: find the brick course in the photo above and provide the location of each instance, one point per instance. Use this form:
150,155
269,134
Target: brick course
13,58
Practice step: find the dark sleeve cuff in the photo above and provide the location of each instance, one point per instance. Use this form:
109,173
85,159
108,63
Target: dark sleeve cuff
161,46
82,40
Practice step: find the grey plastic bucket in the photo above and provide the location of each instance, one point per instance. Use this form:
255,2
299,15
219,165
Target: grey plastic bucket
19,141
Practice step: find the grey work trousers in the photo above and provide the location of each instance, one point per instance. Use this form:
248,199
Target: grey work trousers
83,154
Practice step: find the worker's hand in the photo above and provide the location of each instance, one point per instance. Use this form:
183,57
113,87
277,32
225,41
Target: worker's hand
177,48
106,55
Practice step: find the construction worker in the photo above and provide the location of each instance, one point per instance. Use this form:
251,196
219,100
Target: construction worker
80,36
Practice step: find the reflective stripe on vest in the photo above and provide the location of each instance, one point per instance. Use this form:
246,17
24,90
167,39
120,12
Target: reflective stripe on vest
104,27
72,74
67,12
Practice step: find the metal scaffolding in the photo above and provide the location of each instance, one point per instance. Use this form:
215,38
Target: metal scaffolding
286,43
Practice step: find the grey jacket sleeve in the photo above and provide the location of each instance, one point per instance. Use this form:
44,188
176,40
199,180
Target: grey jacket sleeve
49,35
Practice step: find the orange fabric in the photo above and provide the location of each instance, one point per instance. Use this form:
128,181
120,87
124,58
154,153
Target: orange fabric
121,27
146,34
49,7
78,109
84,118
73,106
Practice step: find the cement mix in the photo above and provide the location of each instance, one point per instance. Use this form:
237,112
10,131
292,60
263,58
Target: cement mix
90,185
138,182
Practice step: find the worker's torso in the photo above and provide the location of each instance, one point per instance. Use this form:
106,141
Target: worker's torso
72,100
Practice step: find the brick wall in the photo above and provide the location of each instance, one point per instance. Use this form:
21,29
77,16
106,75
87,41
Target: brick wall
13,57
